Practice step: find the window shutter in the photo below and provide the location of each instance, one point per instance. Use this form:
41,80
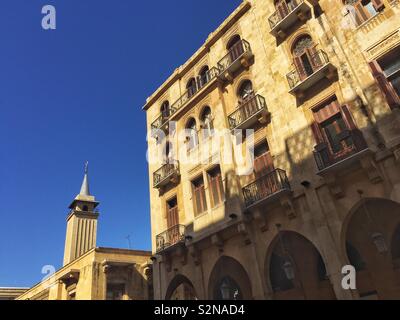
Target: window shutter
386,87
348,118
282,9
300,68
314,58
319,138
378,5
361,15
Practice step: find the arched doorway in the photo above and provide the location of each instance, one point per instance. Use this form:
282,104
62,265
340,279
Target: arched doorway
372,246
180,288
229,281
235,48
296,270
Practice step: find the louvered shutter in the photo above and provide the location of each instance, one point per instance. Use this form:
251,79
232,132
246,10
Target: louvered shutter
386,87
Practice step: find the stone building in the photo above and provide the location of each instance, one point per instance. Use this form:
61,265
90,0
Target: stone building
89,272
318,82
11,293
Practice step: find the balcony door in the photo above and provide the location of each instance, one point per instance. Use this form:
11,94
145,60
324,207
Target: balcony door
284,7
267,182
305,57
246,100
334,129
235,48
173,221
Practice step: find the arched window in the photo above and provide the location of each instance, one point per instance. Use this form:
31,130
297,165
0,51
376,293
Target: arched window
191,87
363,10
305,57
191,134
245,90
165,111
207,123
204,76
85,208
235,48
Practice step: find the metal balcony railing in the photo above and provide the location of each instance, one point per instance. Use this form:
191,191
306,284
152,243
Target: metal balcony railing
352,142
317,61
200,83
248,109
283,12
170,237
162,119
266,186
235,53
164,175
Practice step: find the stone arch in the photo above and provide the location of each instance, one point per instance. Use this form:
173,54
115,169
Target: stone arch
180,288
229,272
372,228
295,270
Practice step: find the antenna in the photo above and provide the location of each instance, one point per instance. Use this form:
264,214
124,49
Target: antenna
128,238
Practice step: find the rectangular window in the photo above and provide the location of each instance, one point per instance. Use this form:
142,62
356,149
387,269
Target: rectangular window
390,65
172,213
216,186
199,196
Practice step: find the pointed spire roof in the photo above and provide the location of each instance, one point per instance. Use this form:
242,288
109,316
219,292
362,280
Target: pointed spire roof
85,183
84,195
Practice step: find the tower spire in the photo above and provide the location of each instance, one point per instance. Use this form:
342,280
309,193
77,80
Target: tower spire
85,183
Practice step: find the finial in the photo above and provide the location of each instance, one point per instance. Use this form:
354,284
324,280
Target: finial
86,167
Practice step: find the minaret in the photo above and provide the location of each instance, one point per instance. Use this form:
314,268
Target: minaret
81,223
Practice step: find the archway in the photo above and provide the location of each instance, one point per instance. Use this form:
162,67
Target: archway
372,246
229,281
181,288
296,270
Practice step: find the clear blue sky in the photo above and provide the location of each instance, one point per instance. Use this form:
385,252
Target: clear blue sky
75,94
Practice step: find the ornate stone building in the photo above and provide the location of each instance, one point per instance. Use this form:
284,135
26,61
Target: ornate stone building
319,83
89,272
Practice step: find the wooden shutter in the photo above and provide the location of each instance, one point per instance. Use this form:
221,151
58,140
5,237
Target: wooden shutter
216,188
316,129
348,118
282,9
300,67
172,217
378,5
314,58
361,14
263,164
386,87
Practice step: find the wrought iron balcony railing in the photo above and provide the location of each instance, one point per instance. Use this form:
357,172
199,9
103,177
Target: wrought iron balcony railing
170,237
265,187
351,142
238,50
200,83
287,14
248,112
304,72
166,174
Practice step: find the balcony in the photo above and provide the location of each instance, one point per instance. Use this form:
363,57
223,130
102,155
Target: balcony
266,188
354,146
170,238
161,123
239,56
282,20
318,68
168,173
248,113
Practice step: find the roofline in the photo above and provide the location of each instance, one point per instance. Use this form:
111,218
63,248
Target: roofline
212,38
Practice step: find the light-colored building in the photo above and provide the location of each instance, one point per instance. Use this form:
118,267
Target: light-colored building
11,293
89,272
319,83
